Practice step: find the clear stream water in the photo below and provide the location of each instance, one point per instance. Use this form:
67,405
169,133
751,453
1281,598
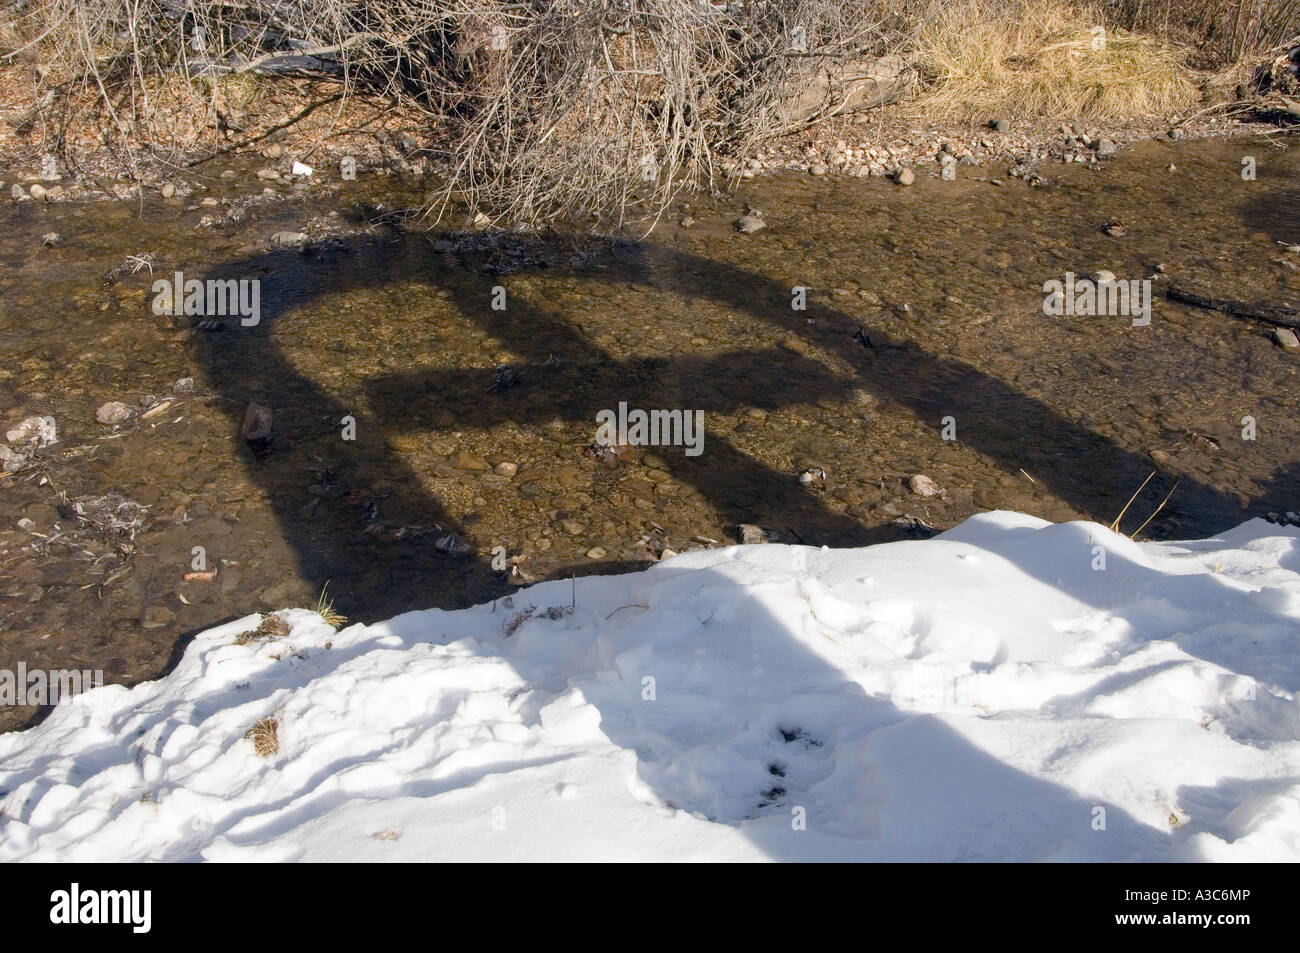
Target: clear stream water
1061,417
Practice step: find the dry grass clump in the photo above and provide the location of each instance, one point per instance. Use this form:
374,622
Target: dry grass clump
1044,58
270,628
265,736
325,609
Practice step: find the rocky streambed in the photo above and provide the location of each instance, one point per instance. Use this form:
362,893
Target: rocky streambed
431,398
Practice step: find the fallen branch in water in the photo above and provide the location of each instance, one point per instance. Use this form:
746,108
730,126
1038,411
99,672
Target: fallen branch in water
1271,314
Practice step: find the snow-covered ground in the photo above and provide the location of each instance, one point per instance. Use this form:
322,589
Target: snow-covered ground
988,694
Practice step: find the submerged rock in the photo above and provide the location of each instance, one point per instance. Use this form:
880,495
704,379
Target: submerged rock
39,431
113,412
288,238
1286,339
922,485
813,477
257,422
452,545
464,460
10,460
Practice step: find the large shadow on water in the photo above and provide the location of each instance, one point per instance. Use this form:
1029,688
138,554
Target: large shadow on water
568,375
373,580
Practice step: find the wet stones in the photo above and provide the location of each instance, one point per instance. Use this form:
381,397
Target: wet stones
155,617
921,485
112,413
11,460
1286,339
640,489
451,545
464,460
750,223
36,430
905,176
813,478
506,377
257,423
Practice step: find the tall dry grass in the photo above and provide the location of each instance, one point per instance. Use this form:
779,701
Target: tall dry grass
1044,58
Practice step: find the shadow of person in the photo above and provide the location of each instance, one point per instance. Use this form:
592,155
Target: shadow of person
374,579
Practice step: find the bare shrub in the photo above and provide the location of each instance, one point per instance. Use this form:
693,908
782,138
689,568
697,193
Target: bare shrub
1224,31
591,108
550,109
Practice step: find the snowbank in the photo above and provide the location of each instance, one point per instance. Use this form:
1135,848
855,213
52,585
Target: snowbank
988,694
